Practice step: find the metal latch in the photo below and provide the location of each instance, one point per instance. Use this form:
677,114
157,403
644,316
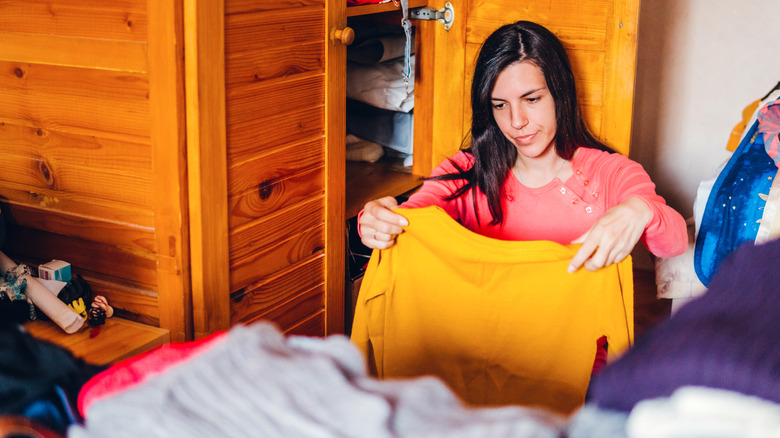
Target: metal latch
445,15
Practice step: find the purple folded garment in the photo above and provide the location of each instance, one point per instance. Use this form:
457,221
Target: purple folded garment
727,339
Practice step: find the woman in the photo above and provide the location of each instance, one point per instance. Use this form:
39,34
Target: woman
532,171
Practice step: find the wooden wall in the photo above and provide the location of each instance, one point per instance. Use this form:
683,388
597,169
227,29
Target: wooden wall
92,148
276,153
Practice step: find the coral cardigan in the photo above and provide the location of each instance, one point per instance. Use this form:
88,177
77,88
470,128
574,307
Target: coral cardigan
561,211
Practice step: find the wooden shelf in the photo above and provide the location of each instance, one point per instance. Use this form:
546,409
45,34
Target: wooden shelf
118,339
369,181
389,6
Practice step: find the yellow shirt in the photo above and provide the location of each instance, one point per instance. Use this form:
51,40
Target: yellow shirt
501,322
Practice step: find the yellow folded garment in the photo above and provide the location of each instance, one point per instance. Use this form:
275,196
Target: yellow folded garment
500,322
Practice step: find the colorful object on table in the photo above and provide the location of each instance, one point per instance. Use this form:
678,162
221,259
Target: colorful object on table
55,270
13,285
79,307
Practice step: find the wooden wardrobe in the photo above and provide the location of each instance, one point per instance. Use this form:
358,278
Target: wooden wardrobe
187,156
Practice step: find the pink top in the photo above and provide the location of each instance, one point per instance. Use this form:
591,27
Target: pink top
561,211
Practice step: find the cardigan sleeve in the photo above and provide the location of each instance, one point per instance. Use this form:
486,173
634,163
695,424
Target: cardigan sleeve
666,235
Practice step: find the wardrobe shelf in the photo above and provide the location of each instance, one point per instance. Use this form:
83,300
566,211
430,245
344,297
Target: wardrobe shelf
369,181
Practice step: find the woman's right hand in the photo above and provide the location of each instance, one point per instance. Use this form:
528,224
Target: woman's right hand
378,225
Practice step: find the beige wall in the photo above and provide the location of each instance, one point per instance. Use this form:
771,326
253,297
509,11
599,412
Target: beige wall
700,62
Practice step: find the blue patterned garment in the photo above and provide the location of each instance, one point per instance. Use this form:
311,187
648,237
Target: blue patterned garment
735,205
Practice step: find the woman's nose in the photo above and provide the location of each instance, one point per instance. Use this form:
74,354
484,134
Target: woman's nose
519,118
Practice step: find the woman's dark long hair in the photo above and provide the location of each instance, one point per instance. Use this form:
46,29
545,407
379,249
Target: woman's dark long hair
494,155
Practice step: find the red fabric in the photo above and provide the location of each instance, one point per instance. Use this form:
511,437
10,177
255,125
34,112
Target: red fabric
601,354
136,370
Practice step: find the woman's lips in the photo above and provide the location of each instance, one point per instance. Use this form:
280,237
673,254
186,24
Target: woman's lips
525,139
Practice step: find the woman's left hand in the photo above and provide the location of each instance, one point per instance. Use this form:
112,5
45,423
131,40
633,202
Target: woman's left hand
613,236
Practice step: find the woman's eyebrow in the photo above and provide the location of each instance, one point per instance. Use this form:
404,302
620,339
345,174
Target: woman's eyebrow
532,91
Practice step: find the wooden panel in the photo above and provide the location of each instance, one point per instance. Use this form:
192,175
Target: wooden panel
245,241
265,169
448,102
266,99
279,195
335,161
619,74
105,54
136,267
115,19
107,104
88,151
284,27
131,238
277,256
274,62
579,24
252,302
38,172
296,310
129,300
169,161
21,195
244,6
252,136
311,326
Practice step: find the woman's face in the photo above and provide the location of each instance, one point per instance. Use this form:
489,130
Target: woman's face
524,109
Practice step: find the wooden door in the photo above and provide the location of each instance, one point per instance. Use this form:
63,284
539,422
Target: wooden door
268,191
599,36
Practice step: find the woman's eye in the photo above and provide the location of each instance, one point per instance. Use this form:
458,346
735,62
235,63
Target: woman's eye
498,105
532,99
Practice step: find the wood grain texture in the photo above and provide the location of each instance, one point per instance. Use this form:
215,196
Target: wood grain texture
274,62
254,135
246,6
117,340
276,164
276,28
311,326
247,241
256,300
89,151
579,24
40,172
133,238
104,54
116,20
276,256
447,123
274,196
169,166
619,74
207,166
265,99
119,263
103,103
297,309
335,163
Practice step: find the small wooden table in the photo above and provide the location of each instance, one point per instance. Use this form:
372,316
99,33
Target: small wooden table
118,339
